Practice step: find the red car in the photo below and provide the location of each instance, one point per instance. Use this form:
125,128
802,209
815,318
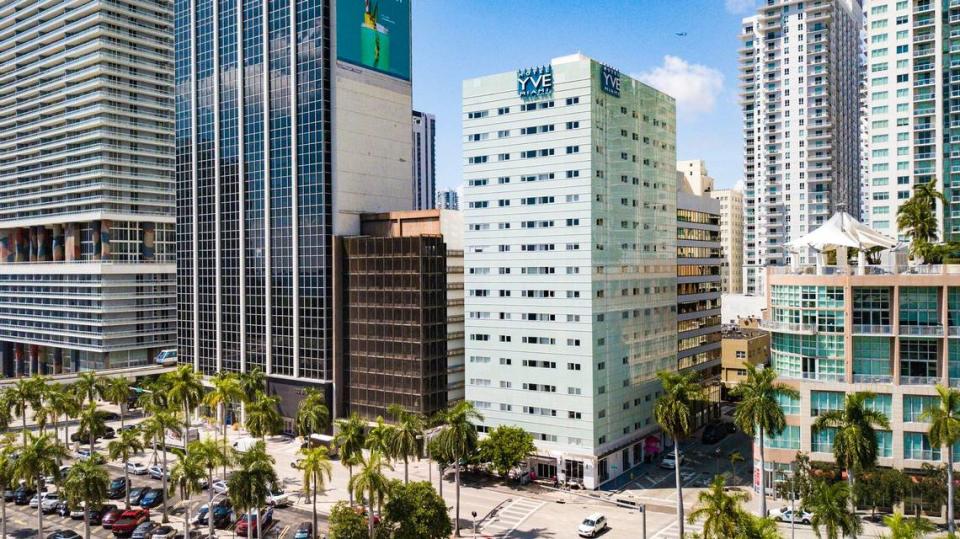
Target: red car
129,520
250,520
110,517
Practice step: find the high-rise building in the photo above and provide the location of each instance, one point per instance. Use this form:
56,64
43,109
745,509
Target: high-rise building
86,185
699,262
424,160
292,119
731,238
913,113
697,181
799,64
570,255
448,199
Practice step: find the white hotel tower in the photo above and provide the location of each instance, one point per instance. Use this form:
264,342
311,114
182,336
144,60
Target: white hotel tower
799,90
570,256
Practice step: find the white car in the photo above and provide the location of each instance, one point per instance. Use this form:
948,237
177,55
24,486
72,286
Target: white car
278,498
77,512
157,472
592,526
220,487
41,498
785,514
64,470
137,468
669,461
50,502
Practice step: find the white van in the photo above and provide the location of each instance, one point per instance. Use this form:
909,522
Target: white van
592,525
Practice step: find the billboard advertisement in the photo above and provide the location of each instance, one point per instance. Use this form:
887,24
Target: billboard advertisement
375,34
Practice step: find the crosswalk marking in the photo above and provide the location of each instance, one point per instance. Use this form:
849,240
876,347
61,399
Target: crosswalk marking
510,517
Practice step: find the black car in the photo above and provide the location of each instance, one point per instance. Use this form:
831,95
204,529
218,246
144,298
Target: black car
136,494
152,498
713,433
118,488
64,534
109,433
96,515
109,416
8,495
22,495
145,530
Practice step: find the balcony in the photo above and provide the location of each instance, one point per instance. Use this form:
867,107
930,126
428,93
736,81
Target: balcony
824,376
921,331
919,380
918,454
872,329
872,379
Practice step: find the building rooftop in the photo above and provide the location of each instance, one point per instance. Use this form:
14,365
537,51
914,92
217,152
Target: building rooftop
737,332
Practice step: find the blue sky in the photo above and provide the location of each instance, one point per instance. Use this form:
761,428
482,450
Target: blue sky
455,40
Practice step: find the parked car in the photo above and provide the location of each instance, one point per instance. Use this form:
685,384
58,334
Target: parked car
144,530
249,520
109,416
669,460
152,498
129,520
64,534
49,502
220,487
109,517
42,497
96,515
277,497
62,509
592,526
22,495
50,480
137,468
157,472
8,494
222,514
136,494
713,433
77,512
164,532
785,514
304,531
109,433
118,488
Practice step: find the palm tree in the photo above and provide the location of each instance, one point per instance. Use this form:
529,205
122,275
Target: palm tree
62,402
718,509
458,439
263,416
673,411
313,417
123,448
252,382
154,430
226,390
371,481
188,473
829,505
154,396
406,438
314,465
855,442
92,423
759,413
88,386
249,485
944,430
350,439
917,217
38,457
117,391
86,485
23,393
7,475
907,528
184,390
378,437
209,454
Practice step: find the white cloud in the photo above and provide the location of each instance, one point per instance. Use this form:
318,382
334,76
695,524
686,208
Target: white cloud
738,7
694,86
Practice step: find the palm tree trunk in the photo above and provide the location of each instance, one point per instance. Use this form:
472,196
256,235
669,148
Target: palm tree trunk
853,502
186,517
186,429
126,478
763,480
440,478
24,418
316,530
370,513
350,490
457,479
950,488
223,418
406,470
40,510
3,512
676,473
86,522
163,476
210,501
259,520
249,527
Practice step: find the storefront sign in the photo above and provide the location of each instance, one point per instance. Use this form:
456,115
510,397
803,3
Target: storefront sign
535,82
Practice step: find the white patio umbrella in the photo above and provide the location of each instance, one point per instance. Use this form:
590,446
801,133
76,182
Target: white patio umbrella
839,233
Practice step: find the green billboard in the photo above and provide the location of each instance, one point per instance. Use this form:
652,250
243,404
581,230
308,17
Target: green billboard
375,34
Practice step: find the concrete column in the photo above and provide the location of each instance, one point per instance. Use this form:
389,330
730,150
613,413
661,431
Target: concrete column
44,247
44,361
32,244
34,359
57,243
58,361
71,242
18,360
944,342
148,241
105,239
97,245
6,359
22,249
5,252
75,360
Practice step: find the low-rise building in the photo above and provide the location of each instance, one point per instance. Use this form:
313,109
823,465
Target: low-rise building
742,345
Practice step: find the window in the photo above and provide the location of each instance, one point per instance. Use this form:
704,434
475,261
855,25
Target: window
477,114
573,149
916,445
915,405
788,439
